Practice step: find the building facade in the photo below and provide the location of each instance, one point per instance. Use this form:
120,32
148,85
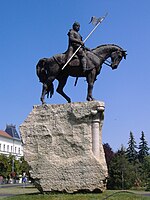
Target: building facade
10,142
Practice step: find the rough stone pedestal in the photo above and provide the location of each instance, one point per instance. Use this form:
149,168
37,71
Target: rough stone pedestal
63,146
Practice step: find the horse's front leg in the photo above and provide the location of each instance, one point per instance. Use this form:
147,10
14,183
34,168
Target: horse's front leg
89,94
90,80
44,90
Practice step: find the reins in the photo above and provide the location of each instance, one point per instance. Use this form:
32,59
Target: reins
107,62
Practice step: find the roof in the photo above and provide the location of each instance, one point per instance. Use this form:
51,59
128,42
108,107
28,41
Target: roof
11,130
4,134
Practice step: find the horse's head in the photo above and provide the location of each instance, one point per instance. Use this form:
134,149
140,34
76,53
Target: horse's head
116,57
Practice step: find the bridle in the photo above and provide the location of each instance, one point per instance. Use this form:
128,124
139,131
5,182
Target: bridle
106,62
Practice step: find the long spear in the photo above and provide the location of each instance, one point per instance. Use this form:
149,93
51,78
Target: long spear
94,21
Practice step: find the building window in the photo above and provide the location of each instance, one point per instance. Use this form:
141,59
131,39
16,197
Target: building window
11,149
0,147
7,148
4,147
19,150
15,149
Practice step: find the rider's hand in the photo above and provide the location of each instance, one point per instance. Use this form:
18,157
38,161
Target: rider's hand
82,43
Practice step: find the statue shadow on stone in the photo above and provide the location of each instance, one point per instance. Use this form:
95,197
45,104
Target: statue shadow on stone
49,69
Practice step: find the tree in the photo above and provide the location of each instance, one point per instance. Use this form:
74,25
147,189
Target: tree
146,170
10,167
143,148
109,154
4,166
121,171
24,167
131,149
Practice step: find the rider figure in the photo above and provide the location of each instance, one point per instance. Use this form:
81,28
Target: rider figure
75,40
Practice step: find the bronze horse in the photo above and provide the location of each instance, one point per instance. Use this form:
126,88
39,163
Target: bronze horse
49,69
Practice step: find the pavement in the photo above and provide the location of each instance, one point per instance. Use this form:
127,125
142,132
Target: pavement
11,192
29,185
14,185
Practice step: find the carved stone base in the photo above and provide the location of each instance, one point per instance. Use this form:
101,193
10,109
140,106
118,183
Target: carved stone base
63,146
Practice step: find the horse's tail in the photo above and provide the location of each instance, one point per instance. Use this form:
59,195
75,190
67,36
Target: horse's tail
42,75
41,71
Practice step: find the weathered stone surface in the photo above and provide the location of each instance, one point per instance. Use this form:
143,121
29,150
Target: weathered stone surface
63,146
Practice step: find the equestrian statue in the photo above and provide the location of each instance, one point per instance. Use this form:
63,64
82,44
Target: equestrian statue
77,61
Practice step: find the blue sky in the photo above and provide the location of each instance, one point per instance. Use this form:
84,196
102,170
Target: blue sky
34,29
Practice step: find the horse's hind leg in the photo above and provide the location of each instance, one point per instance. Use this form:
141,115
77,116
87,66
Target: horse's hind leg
45,88
62,83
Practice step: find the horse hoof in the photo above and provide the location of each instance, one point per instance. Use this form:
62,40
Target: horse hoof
90,99
42,100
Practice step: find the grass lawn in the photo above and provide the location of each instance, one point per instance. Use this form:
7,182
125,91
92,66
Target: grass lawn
31,193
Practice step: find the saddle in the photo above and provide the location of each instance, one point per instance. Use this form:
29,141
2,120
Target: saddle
61,59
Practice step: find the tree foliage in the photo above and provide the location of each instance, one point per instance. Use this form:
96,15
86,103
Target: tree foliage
10,167
131,149
4,166
129,167
120,171
109,154
143,148
146,169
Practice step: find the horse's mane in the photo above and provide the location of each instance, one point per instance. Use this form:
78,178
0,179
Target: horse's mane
107,45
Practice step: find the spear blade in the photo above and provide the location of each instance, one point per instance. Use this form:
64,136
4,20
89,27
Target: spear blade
95,20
